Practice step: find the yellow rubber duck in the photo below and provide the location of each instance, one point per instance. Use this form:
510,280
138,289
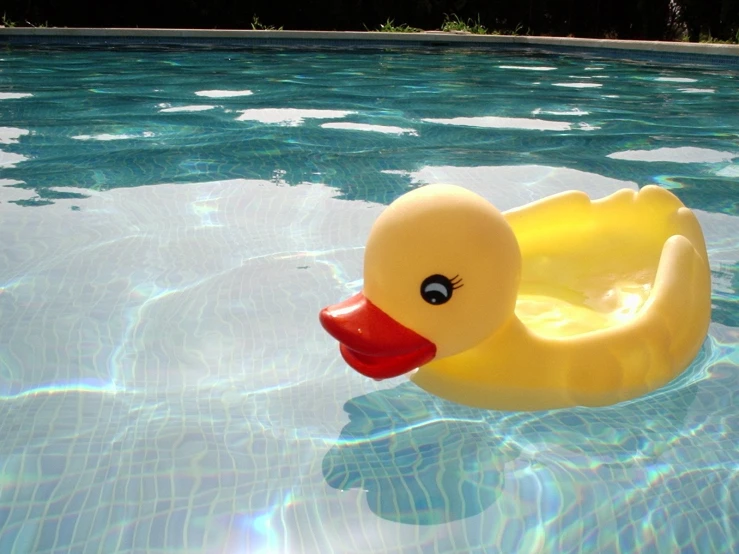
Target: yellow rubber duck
562,302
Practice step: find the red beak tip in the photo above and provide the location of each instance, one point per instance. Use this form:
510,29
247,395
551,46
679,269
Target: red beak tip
372,342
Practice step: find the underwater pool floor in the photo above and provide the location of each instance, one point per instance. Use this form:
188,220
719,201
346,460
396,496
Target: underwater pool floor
172,221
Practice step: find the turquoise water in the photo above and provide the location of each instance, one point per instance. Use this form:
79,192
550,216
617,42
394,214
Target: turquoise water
172,221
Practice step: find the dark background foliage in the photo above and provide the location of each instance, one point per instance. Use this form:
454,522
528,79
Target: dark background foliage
625,19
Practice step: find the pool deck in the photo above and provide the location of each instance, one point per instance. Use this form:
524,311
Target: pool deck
696,51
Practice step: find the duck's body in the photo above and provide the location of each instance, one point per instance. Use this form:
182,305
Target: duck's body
562,302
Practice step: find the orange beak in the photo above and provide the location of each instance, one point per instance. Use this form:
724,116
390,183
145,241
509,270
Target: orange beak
372,342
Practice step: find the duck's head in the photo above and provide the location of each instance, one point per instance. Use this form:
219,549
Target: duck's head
441,274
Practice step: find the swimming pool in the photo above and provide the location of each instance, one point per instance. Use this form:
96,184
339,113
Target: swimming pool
173,219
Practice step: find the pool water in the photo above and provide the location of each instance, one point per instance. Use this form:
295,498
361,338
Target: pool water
171,222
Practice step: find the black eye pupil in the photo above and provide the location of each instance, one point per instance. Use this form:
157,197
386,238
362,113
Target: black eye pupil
437,289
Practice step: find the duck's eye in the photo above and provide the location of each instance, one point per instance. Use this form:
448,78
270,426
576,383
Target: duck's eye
438,289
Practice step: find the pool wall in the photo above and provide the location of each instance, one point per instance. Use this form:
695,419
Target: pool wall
679,52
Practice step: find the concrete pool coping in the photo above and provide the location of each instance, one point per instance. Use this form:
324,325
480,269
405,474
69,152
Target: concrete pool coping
686,51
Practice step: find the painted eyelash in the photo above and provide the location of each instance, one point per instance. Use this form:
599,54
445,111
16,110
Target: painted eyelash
456,284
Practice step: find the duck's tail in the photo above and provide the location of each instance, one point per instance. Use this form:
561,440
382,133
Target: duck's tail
669,331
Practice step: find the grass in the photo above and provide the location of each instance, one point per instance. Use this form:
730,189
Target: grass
390,27
454,24
451,24
257,25
707,38
5,22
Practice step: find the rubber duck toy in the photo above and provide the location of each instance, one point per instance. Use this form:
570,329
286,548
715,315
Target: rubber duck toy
562,302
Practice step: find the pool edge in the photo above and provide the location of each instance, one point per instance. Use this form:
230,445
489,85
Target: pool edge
640,48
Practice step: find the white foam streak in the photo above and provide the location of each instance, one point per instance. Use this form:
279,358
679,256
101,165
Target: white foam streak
684,154
289,116
494,122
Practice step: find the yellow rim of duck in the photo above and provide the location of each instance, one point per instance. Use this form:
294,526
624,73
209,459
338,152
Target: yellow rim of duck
562,302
